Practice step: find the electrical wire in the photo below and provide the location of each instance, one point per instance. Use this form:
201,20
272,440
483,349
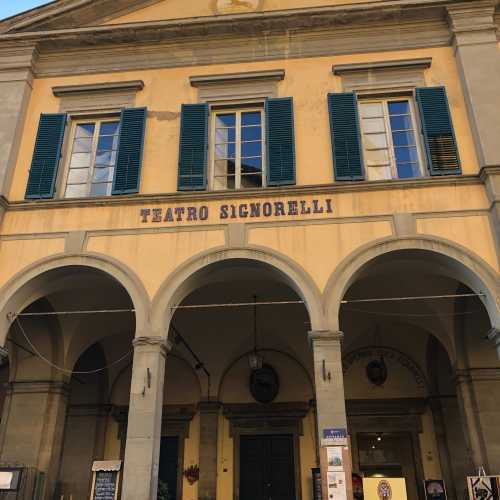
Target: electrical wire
65,370
421,297
64,313
411,315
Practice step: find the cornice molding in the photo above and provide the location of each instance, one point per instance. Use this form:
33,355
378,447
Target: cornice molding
422,63
68,90
207,196
229,78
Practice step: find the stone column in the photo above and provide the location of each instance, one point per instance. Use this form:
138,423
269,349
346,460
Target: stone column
475,41
16,78
329,386
33,424
142,448
209,420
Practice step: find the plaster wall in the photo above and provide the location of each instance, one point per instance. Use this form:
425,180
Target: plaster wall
166,89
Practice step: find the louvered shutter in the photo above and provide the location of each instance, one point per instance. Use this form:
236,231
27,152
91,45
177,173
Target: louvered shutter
280,141
130,151
193,148
437,129
46,156
346,137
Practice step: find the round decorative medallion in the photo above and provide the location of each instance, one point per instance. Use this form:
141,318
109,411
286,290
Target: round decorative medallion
384,490
376,371
264,384
236,6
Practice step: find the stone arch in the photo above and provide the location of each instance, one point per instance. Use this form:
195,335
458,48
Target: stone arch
189,275
31,283
455,260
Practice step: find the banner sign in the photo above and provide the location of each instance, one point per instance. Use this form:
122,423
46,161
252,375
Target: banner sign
484,487
334,437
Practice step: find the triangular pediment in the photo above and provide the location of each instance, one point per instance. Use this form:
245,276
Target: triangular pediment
71,14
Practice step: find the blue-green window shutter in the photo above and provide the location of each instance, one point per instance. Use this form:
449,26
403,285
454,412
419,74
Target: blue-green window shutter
130,151
193,148
346,137
46,156
280,141
437,130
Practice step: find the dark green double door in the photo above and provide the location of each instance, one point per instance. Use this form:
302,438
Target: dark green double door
267,468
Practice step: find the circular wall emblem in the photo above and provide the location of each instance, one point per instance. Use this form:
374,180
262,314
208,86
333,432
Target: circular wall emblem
236,6
384,490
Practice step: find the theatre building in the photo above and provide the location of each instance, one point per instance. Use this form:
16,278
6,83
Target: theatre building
248,248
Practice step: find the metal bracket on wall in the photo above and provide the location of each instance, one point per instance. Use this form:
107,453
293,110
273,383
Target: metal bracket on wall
326,375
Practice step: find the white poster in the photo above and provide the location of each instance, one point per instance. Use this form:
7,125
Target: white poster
336,486
334,457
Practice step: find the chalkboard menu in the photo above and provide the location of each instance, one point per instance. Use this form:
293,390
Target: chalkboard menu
106,480
317,489
105,485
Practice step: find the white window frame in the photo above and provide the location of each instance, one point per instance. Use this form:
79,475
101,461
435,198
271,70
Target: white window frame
384,100
74,121
238,110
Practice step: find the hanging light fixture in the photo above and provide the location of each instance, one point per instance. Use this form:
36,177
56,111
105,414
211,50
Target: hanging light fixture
255,360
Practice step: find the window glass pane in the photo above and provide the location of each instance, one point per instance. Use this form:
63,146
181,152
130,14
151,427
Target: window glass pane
406,154
105,158
85,130
379,173
250,118
251,133
224,167
225,120
76,190
107,142
399,107
377,157
100,189
251,149
251,165
78,175
371,110
224,183
408,170
251,181
103,174
82,145
225,135
109,128
373,125
401,123
225,151
403,138
375,141
80,160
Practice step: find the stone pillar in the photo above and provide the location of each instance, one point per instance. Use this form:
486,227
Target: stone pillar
329,386
16,78
491,178
33,424
209,420
142,448
475,41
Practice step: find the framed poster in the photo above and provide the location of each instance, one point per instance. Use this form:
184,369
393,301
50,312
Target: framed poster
105,480
10,478
484,487
317,486
334,458
435,489
386,488
336,486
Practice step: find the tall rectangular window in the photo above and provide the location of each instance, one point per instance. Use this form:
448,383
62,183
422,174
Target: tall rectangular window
237,152
390,143
92,158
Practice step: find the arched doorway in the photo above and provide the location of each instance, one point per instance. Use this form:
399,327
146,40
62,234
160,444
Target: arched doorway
412,366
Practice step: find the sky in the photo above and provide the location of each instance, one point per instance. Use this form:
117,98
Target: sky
11,7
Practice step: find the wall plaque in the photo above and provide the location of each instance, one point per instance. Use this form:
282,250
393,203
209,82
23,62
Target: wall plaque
106,480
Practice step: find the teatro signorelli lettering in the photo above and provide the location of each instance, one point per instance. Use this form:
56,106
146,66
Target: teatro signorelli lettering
228,211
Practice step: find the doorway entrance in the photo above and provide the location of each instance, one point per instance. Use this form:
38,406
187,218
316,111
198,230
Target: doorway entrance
169,464
267,467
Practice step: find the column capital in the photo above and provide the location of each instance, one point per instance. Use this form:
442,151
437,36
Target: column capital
161,343
325,335
473,22
38,387
209,406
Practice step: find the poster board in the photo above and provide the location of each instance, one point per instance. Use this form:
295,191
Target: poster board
484,487
435,489
10,478
105,480
384,488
